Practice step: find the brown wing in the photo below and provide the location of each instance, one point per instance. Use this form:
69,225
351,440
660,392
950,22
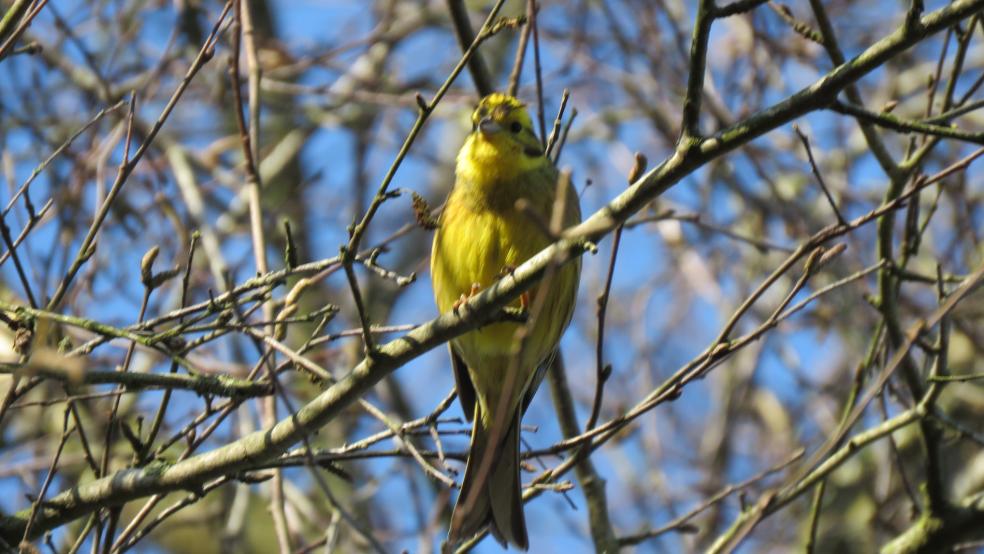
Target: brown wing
463,384
541,372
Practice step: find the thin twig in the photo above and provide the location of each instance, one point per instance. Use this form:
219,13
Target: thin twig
66,432
818,175
87,247
524,38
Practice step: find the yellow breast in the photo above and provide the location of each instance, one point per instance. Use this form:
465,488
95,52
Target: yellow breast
481,235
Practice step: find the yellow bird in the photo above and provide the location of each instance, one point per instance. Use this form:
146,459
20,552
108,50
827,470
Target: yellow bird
481,236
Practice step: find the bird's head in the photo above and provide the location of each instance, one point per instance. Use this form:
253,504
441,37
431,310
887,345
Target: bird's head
502,142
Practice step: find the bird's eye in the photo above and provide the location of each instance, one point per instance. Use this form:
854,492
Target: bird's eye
516,127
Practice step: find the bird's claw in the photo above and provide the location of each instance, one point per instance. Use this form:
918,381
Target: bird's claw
475,287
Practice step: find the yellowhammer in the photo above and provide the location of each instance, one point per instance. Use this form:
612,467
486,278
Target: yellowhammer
481,235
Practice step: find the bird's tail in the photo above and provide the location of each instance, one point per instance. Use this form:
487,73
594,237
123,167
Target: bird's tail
490,490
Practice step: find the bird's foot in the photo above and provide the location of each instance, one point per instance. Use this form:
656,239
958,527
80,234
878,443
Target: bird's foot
524,299
475,287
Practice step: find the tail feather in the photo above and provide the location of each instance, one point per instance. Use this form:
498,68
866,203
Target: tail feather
495,499
506,491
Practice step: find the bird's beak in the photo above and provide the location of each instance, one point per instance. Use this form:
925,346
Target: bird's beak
487,126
